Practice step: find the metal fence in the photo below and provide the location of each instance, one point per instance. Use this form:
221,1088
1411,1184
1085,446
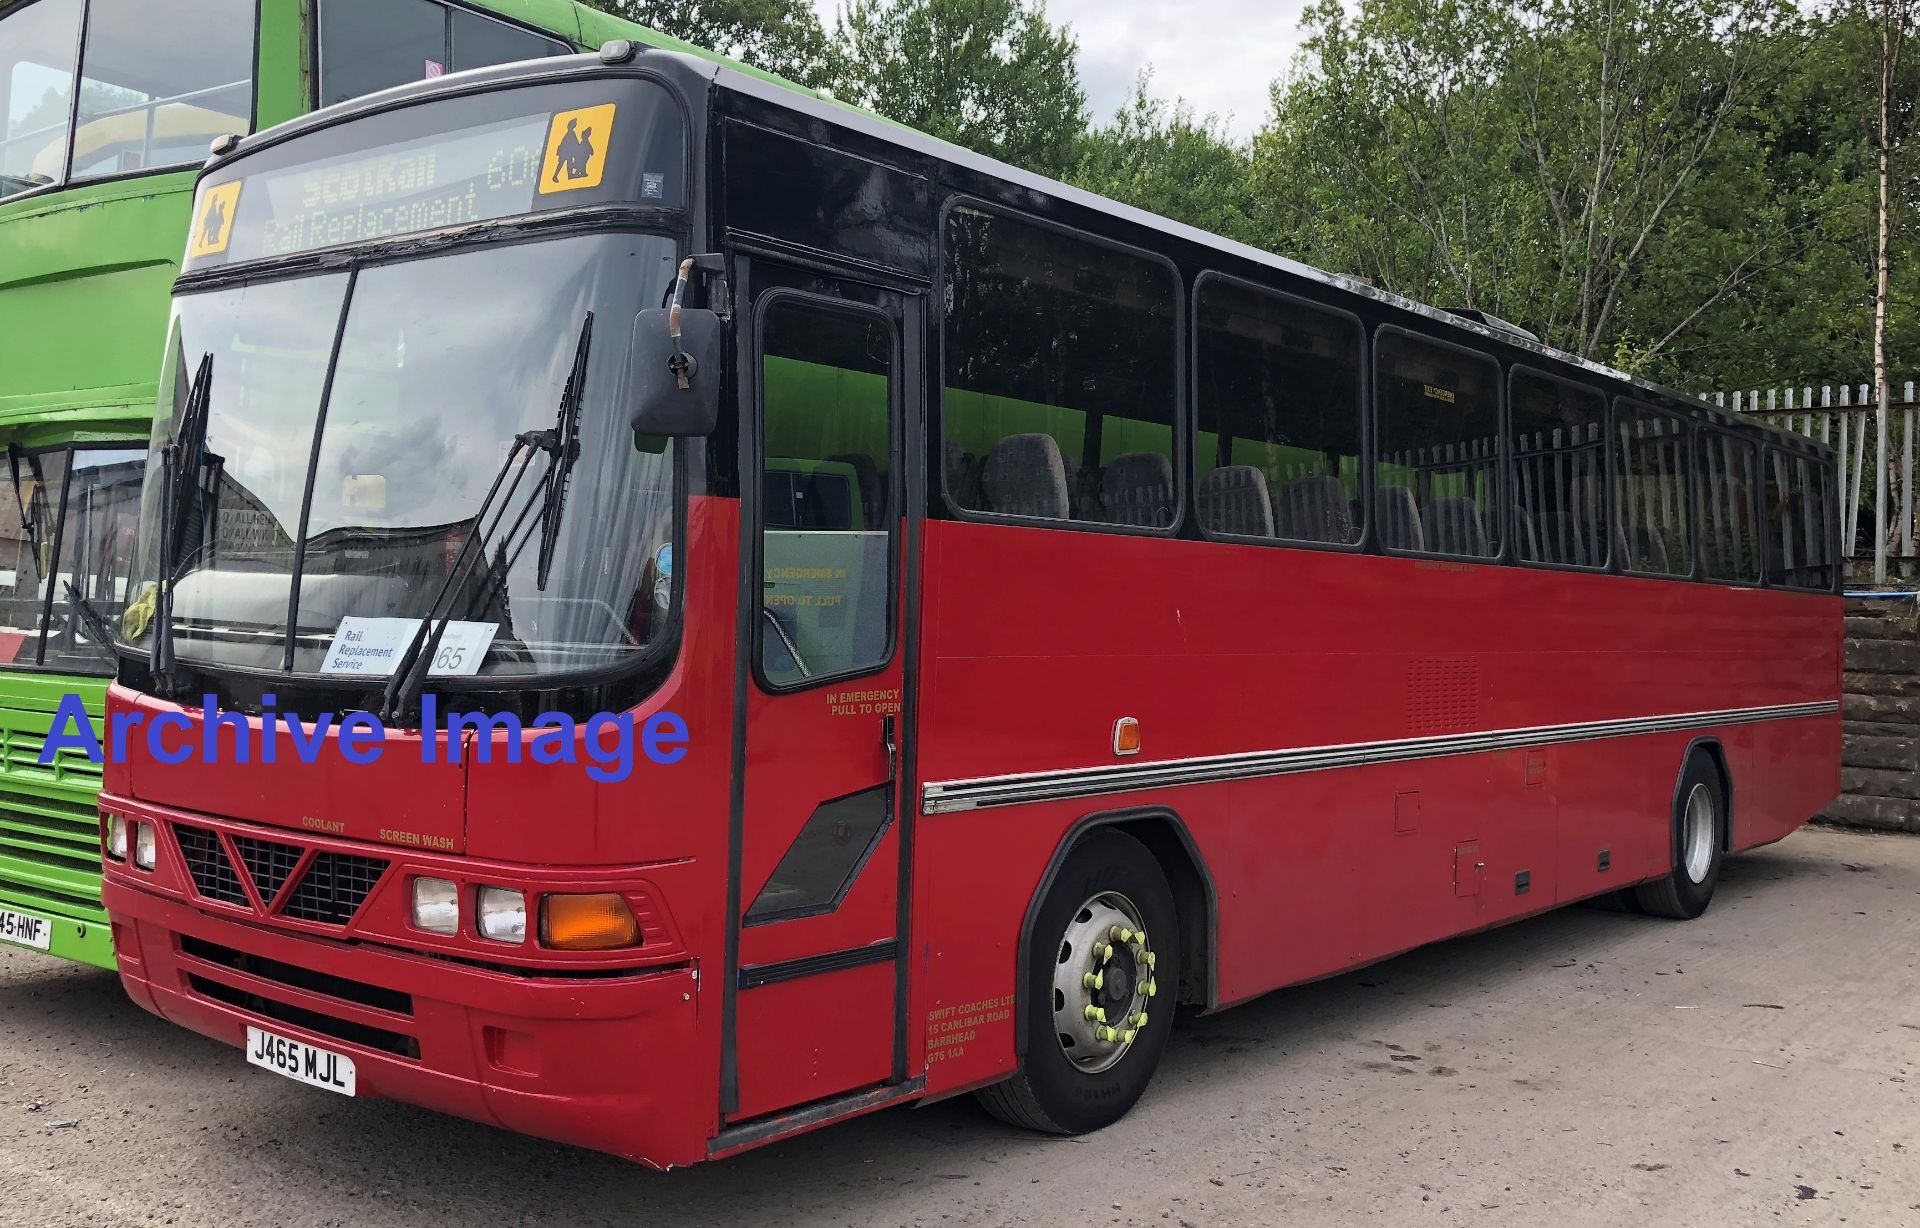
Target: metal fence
1846,417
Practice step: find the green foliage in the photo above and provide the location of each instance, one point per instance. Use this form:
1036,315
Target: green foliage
1684,188
777,36
1161,158
993,75
1679,187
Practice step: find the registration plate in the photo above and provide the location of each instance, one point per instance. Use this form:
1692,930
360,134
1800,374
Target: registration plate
23,930
303,1063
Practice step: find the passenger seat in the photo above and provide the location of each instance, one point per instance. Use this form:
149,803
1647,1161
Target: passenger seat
1138,490
1454,527
1315,509
1235,499
1025,475
1398,519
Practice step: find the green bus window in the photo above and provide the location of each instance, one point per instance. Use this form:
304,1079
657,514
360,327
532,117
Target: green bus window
368,45
1653,512
29,515
38,45
1559,475
1437,460
157,87
477,41
99,520
1724,471
827,492
1279,417
1061,376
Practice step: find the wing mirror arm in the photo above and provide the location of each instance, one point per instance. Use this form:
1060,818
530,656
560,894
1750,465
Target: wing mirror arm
674,364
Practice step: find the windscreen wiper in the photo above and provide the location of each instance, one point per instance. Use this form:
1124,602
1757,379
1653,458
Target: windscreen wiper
566,451
180,461
97,625
410,672
29,523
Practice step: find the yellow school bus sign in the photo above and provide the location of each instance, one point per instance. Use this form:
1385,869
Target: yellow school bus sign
213,225
577,143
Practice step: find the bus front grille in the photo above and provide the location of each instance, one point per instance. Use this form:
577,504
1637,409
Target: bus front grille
49,828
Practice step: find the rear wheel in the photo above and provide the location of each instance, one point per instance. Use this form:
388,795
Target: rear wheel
1092,1010
1699,827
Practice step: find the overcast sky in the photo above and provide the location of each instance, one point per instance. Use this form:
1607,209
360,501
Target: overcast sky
1220,55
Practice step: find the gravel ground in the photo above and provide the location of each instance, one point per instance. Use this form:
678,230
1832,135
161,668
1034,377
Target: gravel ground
1758,1065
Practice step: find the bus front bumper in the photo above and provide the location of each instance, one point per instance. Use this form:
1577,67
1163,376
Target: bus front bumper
605,1062
76,932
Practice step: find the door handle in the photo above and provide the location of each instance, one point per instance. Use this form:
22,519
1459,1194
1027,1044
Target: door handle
893,750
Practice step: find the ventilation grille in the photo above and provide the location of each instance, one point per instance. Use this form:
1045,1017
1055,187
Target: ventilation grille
334,887
1443,695
330,891
213,874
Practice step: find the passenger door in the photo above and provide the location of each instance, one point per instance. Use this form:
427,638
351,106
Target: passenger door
815,987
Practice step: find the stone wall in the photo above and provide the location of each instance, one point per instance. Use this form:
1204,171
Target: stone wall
1880,762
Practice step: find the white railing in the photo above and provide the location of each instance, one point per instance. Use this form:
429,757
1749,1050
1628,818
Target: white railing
1844,417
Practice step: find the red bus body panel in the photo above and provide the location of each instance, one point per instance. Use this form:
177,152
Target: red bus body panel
1032,643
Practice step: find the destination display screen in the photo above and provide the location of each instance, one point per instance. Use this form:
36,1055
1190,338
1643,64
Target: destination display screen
411,171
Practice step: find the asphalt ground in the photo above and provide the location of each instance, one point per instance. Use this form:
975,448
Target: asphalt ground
1758,1065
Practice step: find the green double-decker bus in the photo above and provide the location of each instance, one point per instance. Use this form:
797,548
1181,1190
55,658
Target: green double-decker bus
107,110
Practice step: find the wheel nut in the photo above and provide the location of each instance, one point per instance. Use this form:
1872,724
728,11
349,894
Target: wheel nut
1153,987
1106,953
1127,1036
1094,980
1140,1020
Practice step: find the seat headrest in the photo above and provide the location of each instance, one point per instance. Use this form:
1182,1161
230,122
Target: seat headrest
1235,499
1137,489
1025,475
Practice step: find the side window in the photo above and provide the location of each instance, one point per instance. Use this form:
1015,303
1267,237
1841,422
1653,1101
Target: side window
828,506
29,521
1799,529
38,44
478,41
1653,510
1061,376
1437,460
1279,417
1724,471
100,519
155,90
1559,470
368,45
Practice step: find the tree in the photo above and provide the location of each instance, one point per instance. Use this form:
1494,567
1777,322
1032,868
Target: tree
1554,162
992,75
778,36
1161,158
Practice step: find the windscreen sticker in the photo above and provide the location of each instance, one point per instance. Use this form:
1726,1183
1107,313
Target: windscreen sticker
373,646
214,225
577,143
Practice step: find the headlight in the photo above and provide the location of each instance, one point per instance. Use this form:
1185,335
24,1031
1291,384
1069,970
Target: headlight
116,837
503,914
587,922
436,905
143,849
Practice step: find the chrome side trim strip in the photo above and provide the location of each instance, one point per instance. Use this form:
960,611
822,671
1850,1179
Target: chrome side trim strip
946,796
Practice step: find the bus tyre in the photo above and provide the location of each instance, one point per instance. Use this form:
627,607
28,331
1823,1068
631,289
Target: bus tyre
1699,828
1103,970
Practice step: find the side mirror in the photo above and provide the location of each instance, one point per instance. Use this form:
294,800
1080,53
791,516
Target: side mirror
657,369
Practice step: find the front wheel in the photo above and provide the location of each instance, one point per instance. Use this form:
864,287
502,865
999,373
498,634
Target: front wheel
1096,1005
1699,825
